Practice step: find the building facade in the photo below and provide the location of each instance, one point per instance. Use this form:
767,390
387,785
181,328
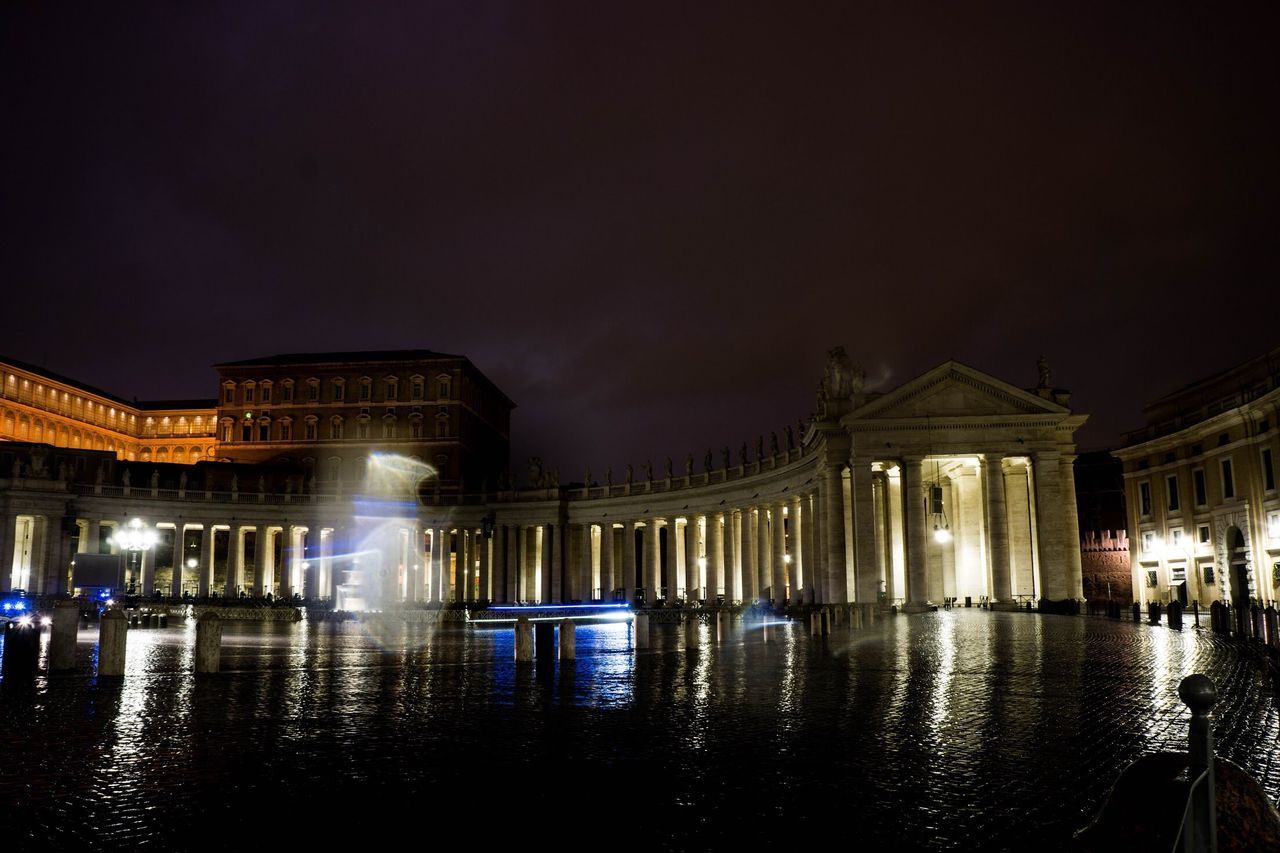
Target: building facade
1200,487
953,485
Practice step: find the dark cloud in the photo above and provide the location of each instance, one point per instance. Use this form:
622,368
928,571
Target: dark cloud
646,223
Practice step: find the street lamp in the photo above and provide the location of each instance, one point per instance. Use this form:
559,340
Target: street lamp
135,539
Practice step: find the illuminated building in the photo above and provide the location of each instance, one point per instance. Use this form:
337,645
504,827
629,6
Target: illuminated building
1200,486
954,484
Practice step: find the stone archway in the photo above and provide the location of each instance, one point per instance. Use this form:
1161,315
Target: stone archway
1238,566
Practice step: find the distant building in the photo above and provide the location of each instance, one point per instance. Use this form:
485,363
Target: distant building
1200,485
1104,546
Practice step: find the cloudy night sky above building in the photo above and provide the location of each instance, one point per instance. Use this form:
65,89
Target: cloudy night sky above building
645,223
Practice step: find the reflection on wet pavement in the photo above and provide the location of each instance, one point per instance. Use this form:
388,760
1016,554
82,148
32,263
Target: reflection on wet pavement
953,730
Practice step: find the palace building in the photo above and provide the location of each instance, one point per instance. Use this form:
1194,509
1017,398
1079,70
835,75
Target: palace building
383,479
1200,483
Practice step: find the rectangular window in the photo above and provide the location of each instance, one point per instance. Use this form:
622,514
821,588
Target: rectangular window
246,432
1228,480
286,432
1171,484
1206,570
311,431
339,392
313,392
264,432
1175,535
1202,494
1144,498
1268,472
228,395
1148,541
416,389
364,390
1152,578
1202,534
286,393
248,393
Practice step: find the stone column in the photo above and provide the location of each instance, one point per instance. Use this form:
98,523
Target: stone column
179,560
808,549
1071,530
206,560
529,583
557,563
628,579
671,565
504,566
866,569
608,583
747,555
997,524
93,538
484,550
732,556
148,572
445,567
795,546
260,539
8,535
1051,525
916,534
778,575
547,594
652,557
585,588
820,544
764,555
833,533
692,573
464,568
715,558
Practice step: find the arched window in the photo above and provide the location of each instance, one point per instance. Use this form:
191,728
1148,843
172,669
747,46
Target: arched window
266,392
366,388
162,455
335,427
444,386
313,390
310,429
389,426
286,429
415,426
362,427
286,391
442,425
416,386
392,388
264,429
226,431
339,390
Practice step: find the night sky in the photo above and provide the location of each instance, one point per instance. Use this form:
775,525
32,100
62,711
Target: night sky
646,223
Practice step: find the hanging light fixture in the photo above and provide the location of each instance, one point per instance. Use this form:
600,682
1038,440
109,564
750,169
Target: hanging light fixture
941,528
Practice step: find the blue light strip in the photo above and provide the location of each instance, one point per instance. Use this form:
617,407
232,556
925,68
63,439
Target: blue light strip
556,606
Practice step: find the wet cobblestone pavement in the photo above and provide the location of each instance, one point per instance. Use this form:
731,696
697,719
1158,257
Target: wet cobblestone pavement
961,730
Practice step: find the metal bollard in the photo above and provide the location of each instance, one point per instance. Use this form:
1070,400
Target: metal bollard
62,637
209,643
568,640
1201,829
112,641
21,651
164,620
524,640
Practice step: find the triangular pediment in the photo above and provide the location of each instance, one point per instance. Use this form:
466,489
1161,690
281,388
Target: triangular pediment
953,390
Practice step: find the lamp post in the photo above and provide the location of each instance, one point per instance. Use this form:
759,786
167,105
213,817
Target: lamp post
135,539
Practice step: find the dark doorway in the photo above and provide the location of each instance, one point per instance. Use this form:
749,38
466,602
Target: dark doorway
1238,553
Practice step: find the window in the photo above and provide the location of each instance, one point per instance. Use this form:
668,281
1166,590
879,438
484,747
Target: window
286,391
415,388
1197,479
1144,498
1168,457
286,431
1273,525
362,428
1206,570
1148,541
335,429
266,393
1202,534
444,387
1152,580
248,392
366,388
264,431
309,429
226,431
1224,439
415,428
228,394
339,390
246,431
1268,472
388,427
313,390
1197,449
1175,535
1171,486
392,388
1228,480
